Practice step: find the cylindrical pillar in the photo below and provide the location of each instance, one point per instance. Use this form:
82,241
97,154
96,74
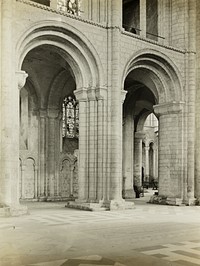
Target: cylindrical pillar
191,99
81,96
92,144
138,158
116,105
146,163
101,96
171,152
128,142
42,154
52,142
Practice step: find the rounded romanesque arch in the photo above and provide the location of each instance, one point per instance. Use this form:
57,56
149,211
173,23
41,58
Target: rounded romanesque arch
161,75
153,85
60,62
71,44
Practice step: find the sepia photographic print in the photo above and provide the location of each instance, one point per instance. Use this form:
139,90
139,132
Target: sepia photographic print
100,133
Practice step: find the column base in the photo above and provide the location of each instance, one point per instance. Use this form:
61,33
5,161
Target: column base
59,198
110,205
14,210
191,202
174,201
121,205
129,194
164,200
86,206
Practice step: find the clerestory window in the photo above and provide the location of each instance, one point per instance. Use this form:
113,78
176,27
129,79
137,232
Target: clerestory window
70,117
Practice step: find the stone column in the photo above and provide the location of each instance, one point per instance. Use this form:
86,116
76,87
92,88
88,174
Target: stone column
128,143
115,191
23,168
81,96
138,158
58,150
154,162
171,151
92,144
9,93
36,182
191,79
146,174
52,143
197,133
101,96
42,154
143,18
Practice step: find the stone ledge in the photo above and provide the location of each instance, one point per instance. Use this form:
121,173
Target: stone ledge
111,205
86,206
18,210
164,200
128,194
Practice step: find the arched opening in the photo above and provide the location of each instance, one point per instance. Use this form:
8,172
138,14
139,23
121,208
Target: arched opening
58,105
151,155
46,122
139,129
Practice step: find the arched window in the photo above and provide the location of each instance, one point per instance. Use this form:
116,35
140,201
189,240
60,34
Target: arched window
70,117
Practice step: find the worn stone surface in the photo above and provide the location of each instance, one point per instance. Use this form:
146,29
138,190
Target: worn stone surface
119,77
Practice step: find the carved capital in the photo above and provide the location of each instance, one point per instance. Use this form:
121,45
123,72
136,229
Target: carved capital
168,108
101,93
21,78
81,94
91,94
53,113
140,135
123,95
43,113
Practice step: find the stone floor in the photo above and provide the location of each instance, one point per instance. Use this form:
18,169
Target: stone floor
53,235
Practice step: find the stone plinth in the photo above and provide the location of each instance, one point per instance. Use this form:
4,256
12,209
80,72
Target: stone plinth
129,194
101,205
163,200
17,210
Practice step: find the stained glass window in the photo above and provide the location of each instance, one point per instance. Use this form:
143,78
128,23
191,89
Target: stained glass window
69,6
70,118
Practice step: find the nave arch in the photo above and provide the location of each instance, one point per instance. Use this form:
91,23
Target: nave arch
60,63
153,85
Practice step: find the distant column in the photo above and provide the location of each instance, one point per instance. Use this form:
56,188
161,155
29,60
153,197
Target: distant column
81,96
147,163
42,153
138,158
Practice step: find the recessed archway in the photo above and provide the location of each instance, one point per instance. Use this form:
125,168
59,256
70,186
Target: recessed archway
152,85
59,64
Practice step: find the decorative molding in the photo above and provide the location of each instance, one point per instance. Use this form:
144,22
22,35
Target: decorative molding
81,94
123,32
123,95
65,14
168,108
101,93
21,78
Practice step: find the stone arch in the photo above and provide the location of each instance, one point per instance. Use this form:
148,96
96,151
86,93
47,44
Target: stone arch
142,120
67,163
29,179
158,70
71,44
164,90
